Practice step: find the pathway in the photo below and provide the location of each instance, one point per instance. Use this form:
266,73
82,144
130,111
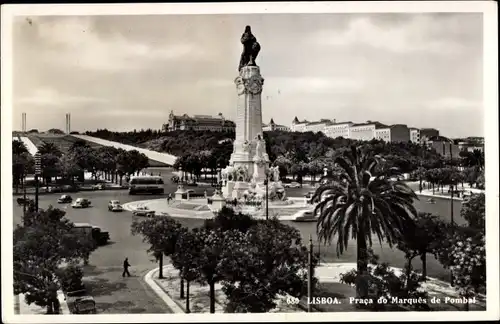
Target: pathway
153,155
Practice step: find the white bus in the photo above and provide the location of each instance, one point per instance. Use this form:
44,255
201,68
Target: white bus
146,184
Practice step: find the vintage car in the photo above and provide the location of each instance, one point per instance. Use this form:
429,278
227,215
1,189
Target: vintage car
115,206
24,201
292,185
65,199
80,302
99,186
306,215
143,211
81,203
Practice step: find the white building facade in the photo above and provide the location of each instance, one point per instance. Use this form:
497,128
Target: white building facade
338,130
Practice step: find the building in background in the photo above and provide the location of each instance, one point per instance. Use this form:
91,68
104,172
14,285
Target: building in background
272,126
335,129
318,126
444,146
394,133
198,122
470,143
414,135
365,131
426,133
299,126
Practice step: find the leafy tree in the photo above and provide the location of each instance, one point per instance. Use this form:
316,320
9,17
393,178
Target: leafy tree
208,262
161,233
468,259
42,246
49,165
55,131
362,201
474,211
184,259
226,219
79,144
68,166
384,282
269,259
425,237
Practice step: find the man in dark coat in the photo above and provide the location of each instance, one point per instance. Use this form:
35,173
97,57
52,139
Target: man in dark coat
126,265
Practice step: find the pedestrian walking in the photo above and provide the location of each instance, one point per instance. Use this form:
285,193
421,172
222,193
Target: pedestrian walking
169,199
126,265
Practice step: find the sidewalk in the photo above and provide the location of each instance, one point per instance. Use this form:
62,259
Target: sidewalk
22,308
168,289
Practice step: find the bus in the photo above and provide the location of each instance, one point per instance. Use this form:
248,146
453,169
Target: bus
146,184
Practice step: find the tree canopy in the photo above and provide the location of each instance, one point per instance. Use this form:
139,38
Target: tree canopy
43,245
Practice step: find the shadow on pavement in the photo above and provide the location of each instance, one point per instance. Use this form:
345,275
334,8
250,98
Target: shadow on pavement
90,271
125,307
103,287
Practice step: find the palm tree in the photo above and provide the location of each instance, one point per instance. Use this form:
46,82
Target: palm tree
49,148
18,148
79,143
360,201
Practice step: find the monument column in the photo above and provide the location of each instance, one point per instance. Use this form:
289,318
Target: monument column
248,115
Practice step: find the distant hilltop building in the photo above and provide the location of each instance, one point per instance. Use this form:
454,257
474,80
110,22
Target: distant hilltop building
364,131
272,126
198,122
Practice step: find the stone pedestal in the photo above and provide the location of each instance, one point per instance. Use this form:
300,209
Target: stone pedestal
180,191
227,190
218,202
239,188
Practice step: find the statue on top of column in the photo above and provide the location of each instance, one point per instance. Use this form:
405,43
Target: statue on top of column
251,49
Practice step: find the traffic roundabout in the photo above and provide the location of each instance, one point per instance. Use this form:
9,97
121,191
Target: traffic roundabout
198,208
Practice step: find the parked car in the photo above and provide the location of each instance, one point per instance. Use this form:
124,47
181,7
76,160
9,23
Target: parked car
143,211
81,203
190,191
80,302
54,189
305,215
115,206
99,186
22,201
62,188
292,185
192,184
65,199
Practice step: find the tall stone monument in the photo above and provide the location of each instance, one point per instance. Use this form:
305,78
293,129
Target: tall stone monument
249,161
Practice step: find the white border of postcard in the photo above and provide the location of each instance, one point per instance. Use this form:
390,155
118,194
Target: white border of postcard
490,23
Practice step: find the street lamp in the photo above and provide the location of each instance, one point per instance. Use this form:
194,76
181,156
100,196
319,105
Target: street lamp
38,171
266,183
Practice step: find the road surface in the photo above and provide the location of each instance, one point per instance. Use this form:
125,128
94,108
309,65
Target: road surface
117,295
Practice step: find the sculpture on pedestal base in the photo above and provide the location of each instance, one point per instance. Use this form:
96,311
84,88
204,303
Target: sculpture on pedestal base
244,178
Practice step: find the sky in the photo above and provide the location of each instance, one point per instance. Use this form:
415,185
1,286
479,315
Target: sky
129,72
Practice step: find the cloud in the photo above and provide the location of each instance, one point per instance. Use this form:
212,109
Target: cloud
313,84
52,98
420,34
452,103
77,42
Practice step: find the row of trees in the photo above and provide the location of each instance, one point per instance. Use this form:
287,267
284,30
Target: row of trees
47,256
296,153
254,260
360,201
109,161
